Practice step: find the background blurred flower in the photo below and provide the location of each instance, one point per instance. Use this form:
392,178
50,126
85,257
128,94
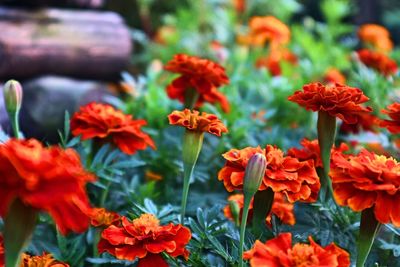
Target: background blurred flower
49,179
273,61
393,125
377,36
279,252
103,122
333,76
378,61
100,217
1,251
146,239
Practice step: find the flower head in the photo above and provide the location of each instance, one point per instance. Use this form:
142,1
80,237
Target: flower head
45,260
333,76
202,75
339,100
367,180
297,180
100,217
311,151
194,121
280,207
378,61
146,239
273,61
376,36
393,125
48,179
103,122
279,252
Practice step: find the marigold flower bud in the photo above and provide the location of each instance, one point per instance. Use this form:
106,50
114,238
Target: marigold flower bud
254,174
12,96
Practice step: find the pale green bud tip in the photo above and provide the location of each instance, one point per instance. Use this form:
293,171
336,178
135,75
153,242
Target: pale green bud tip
235,211
254,173
12,93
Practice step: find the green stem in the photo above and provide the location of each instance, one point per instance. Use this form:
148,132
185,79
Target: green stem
369,226
191,97
246,205
96,239
187,176
104,194
15,123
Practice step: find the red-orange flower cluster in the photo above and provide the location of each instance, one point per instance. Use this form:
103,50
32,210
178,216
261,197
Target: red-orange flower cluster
194,121
280,207
199,74
297,180
338,100
266,29
376,36
333,76
45,260
378,61
100,217
366,122
104,122
279,252
146,239
393,125
273,61
311,151
367,180
49,179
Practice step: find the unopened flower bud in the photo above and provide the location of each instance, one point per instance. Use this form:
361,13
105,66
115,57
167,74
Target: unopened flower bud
235,211
12,92
254,174
192,143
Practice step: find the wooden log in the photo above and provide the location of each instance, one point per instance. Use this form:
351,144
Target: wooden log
82,44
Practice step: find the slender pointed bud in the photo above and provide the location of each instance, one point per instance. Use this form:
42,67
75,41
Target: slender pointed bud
254,174
235,211
192,143
12,96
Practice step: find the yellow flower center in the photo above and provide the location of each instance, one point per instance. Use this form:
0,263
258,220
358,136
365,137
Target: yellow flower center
147,221
303,255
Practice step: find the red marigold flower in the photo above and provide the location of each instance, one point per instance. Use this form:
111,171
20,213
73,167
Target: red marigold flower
377,36
104,122
297,180
146,239
199,74
49,179
100,217
392,125
366,122
333,76
340,101
311,151
377,61
367,180
273,61
280,207
45,260
279,252
194,121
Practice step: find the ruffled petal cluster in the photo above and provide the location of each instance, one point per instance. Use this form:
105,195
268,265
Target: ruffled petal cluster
100,217
202,75
339,100
376,36
393,125
280,207
48,179
104,122
367,181
194,121
311,151
144,238
298,180
45,260
378,61
279,252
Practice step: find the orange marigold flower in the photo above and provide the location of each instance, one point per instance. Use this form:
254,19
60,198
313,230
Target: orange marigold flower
339,100
333,76
297,180
240,5
49,179
367,180
366,122
104,122
199,74
377,36
393,125
311,151
273,61
45,260
266,29
146,239
194,121
280,207
378,61
100,217
279,252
